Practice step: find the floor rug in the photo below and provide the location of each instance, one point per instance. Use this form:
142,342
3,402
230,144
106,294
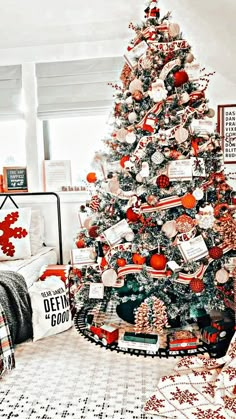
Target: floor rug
65,376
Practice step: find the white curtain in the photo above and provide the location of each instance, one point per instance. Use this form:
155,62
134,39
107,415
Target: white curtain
76,87
10,92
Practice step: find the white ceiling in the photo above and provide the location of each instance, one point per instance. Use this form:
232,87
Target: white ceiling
50,30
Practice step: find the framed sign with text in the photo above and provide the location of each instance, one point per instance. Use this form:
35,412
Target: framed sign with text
15,179
226,124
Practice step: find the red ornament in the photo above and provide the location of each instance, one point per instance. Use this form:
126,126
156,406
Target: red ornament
158,261
138,259
188,201
196,285
123,160
93,232
80,243
131,215
215,252
180,77
121,262
163,181
91,177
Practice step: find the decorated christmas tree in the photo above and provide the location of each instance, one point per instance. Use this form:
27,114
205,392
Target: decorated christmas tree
161,214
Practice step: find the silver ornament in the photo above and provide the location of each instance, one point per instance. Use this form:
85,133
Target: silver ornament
157,157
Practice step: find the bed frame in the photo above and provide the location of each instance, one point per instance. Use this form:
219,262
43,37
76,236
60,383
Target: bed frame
12,197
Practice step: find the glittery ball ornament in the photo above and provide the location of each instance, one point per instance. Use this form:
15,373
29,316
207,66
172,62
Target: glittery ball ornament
196,285
121,262
163,181
93,232
158,261
215,252
188,201
152,199
157,157
138,259
184,223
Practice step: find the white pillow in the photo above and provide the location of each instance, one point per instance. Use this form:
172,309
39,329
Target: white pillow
51,307
14,233
36,231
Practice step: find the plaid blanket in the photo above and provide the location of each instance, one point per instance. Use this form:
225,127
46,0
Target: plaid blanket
7,359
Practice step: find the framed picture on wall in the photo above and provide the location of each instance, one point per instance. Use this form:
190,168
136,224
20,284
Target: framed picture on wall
15,179
226,125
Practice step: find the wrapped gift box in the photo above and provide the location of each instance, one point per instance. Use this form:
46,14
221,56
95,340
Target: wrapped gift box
182,340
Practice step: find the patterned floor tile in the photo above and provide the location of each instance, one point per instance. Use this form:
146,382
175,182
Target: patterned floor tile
67,377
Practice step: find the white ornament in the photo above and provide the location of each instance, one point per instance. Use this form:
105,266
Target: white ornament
129,100
198,194
145,170
132,117
222,276
129,236
174,29
181,135
169,229
109,278
139,178
157,157
121,134
130,138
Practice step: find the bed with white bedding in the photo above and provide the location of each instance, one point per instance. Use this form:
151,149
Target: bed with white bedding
31,267
23,253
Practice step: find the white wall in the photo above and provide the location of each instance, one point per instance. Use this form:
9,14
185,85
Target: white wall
42,31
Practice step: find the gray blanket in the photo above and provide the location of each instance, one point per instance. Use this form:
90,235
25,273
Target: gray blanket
15,300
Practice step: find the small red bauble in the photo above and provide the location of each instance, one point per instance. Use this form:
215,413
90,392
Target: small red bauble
163,181
215,252
131,215
138,259
80,243
188,201
196,285
93,232
158,261
123,160
121,262
91,177
180,77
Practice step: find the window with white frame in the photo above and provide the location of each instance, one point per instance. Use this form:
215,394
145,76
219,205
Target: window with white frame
12,138
77,139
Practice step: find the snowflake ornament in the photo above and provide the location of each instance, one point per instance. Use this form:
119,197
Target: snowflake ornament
6,232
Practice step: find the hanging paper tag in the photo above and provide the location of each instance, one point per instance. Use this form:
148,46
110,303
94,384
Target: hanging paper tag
202,126
193,249
180,170
117,232
96,290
